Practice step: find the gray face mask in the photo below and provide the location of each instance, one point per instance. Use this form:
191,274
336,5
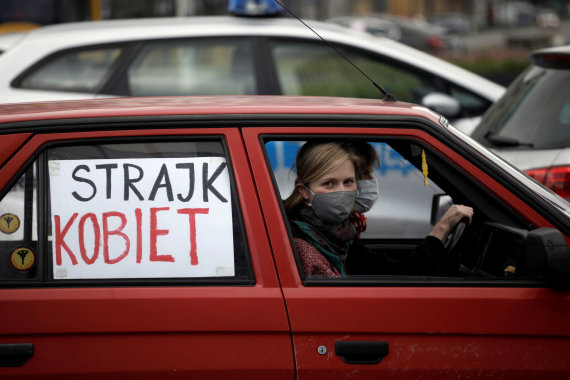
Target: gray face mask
366,195
333,207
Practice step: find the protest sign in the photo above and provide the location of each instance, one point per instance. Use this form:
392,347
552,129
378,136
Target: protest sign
141,218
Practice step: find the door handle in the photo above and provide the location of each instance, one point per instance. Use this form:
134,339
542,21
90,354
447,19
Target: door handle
15,354
361,352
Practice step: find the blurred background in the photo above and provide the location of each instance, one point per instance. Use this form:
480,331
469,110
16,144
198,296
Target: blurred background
489,37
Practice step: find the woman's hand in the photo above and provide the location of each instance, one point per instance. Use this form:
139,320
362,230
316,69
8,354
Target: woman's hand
445,225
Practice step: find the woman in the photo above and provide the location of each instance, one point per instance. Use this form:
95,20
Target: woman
319,206
323,198
427,258
367,185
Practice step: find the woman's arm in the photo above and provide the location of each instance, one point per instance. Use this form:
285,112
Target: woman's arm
443,228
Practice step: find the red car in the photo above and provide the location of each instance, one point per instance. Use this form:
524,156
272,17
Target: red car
147,238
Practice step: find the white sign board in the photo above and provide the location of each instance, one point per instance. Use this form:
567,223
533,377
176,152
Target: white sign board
141,218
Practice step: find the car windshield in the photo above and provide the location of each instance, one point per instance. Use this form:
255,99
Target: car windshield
513,119
538,188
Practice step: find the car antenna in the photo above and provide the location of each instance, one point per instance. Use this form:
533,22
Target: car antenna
387,96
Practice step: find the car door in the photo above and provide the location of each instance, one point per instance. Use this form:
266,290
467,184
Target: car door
137,253
478,321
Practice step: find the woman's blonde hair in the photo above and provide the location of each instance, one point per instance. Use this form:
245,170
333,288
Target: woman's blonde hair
315,159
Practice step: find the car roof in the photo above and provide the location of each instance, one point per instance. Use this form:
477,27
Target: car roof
45,40
557,57
7,40
565,49
216,106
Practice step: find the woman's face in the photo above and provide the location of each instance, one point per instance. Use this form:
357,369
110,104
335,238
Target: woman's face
340,179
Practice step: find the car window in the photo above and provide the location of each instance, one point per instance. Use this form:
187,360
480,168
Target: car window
471,104
132,211
307,68
404,198
416,185
76,70
193,67
18,237
514,116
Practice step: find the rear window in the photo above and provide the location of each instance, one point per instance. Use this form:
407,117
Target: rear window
76,70
535,111
126,211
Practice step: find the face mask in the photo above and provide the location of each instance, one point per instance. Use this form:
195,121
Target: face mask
366,195
333,207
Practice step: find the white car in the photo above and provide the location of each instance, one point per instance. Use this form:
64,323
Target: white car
530,125
228,55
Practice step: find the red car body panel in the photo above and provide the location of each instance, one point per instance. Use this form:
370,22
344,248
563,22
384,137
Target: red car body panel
11,143
468,332
203,105
126,332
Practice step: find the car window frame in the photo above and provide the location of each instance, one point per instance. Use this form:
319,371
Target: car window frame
118,83
44,255
531,82
125,47
422,138
439,83
265,72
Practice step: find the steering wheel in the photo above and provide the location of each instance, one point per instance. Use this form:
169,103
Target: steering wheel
455,236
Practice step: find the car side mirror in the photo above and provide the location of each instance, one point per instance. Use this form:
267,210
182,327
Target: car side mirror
439,205
443,104
547,250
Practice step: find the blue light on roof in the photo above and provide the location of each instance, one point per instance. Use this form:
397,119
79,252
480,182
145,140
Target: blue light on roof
254,7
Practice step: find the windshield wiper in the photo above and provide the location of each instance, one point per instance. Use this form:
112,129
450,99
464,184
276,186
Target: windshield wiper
498,140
